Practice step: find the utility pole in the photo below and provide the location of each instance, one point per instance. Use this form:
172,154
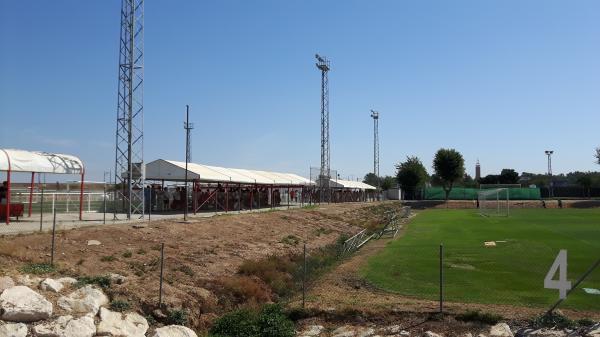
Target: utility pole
325,170
129,154
551,189
375,116
188,156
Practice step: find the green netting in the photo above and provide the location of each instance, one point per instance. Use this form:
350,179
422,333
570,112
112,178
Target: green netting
461,193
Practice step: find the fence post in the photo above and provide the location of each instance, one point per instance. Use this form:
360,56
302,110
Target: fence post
42,209
162,260
304,278
104,199
441,278
53,235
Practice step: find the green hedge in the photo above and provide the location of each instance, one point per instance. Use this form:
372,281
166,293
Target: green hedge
461,193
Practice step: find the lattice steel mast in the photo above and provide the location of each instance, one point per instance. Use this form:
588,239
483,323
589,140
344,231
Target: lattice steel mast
129,161
375,116
325,170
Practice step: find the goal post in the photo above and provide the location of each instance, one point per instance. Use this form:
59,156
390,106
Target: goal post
494,202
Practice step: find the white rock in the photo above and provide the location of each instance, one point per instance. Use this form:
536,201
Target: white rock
93,243
312,330
501,330
26,280
468,334
368,332
431,334
344,331
84,300
13,330
5,283
594,331
117,278
66,326
21,304
116,324
174,331
404,333
545,333
393,329
67,281
51,285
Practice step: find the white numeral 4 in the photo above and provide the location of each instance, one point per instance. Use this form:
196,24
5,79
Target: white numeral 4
562,284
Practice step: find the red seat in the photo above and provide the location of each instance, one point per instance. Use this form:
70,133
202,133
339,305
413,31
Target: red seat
16,210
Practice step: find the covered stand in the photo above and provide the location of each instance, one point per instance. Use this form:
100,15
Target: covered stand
39,162
169,170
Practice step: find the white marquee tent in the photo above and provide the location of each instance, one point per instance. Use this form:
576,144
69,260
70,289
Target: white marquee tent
170,170
12,160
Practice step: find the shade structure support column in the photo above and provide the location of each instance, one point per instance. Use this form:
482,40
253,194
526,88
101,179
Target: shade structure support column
31,192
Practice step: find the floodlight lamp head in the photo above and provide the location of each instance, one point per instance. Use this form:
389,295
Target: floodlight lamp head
549,152
322,63
374,114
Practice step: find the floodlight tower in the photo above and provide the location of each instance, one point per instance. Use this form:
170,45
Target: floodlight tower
187,126
325,170
549,154
129,154
375,116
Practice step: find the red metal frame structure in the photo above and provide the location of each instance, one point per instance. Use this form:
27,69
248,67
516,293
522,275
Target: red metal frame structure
47,163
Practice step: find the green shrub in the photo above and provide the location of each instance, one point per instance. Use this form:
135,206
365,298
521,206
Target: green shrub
101,281
177,317
37,268
127,254
291,240
108,258
269,322
119,305
478,316
272,322
553,320
585,322
239,323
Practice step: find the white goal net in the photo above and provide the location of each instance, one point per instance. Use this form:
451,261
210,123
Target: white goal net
494,202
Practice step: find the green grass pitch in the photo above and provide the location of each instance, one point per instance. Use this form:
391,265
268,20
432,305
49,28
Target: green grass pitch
511,273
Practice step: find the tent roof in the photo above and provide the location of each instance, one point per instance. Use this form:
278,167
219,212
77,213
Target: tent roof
352,184
161,169
39,162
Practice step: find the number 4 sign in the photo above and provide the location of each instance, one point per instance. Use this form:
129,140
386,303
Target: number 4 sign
562,284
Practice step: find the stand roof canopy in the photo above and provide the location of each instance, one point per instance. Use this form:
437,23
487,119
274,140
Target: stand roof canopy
39,162
170,170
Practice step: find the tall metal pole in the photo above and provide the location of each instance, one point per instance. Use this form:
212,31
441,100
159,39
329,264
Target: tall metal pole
551,188
129,154
375,116
188,157
325,172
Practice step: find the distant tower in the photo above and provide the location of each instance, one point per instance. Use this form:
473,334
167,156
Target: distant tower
477,171
375,116
325,171
129,161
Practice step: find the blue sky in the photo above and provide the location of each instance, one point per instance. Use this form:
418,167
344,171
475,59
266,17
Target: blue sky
498,80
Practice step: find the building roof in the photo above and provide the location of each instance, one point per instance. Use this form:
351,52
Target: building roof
171,170
39,162
351,184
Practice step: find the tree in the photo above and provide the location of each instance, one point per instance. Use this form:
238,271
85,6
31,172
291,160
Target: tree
509,176
371,179
597,155
387,182
490,179
411,174
586,182
468,181
449,166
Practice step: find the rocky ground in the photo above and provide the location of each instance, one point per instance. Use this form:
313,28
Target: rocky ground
57,308
497,330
